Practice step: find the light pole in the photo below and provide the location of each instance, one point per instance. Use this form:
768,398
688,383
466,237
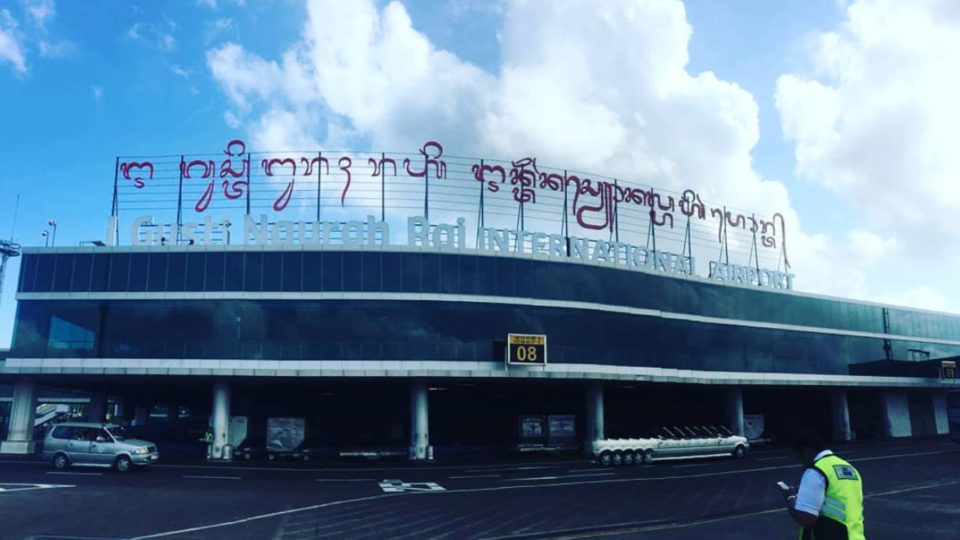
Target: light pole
46,238
53,239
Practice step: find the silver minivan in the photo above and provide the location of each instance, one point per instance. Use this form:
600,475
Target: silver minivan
96,445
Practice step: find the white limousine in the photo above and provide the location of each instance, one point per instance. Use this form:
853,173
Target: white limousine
685,441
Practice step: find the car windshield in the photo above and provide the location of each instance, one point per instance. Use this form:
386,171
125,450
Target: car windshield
119,433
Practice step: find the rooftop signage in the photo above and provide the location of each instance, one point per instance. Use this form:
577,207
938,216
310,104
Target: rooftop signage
518,206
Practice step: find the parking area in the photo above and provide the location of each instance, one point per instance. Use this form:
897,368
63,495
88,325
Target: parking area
909,485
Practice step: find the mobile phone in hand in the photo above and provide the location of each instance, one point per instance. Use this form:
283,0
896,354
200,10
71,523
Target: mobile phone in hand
783,487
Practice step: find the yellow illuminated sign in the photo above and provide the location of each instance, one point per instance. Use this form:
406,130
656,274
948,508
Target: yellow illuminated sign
527,349
949,369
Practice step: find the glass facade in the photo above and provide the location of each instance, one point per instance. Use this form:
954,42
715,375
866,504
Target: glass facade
303,329
414,272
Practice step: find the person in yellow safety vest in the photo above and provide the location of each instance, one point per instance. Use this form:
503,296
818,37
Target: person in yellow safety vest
828,503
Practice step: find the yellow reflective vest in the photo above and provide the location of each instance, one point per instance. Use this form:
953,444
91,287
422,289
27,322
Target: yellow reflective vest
842,503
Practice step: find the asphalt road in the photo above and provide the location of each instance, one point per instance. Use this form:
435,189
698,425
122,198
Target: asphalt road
911,490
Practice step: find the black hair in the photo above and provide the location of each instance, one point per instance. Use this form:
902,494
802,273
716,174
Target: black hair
807,439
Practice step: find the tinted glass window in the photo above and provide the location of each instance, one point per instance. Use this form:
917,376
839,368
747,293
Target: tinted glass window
332,272
272,268
469,275
139,268
44,280
252,271
63,272
430,273
312,271
82,265
62,432
371,271
215,271
28,271
292,270
410,268
176,271
449,274
391,274
119,270
351,271
100,275
233,272
196,268
157,273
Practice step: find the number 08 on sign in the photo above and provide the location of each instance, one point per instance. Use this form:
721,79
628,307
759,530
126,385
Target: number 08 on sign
527,349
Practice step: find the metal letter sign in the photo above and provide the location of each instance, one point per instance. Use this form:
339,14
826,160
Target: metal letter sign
527,349
948,369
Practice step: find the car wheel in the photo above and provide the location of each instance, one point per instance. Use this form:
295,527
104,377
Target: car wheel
648,456
60,461
124,464
306,457
247,456
629,458
617,459
271,457
606,459
739,451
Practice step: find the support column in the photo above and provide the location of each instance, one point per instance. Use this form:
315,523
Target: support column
734,406
940,413
23,411
119,412
97,408
841,416
221,419
896,414
594,412
419,422
140,415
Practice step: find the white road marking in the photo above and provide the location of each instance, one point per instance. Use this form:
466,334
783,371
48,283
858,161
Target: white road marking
397,486
531,478
507,469
691,465
473,468
77,473
202,477
10,487
474,476
582,470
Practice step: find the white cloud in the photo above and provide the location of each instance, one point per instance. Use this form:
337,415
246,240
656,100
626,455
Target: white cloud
923,297
97,93
10,48
167,42
40,11
876,120
134,31
600,86
212,4
179,71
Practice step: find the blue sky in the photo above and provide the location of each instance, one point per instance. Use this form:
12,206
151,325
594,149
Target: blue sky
83,82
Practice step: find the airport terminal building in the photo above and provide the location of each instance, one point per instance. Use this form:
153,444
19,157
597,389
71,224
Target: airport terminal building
385,344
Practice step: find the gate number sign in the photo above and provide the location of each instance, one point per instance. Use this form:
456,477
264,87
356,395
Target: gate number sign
948,369
527,349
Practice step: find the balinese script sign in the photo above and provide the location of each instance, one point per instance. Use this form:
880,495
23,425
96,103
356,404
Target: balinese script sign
508,206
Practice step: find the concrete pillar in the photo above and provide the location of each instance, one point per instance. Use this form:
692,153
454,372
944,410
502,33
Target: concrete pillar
22,413
419,421
896,414
118,411
734,408
841,416
140,415
940,413
221,418
97,408
594,411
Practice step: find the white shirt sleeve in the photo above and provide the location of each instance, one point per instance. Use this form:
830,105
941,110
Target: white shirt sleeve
810,493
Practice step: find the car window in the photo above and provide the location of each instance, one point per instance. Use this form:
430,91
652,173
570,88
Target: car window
62,432
101,435
81,434
119,433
